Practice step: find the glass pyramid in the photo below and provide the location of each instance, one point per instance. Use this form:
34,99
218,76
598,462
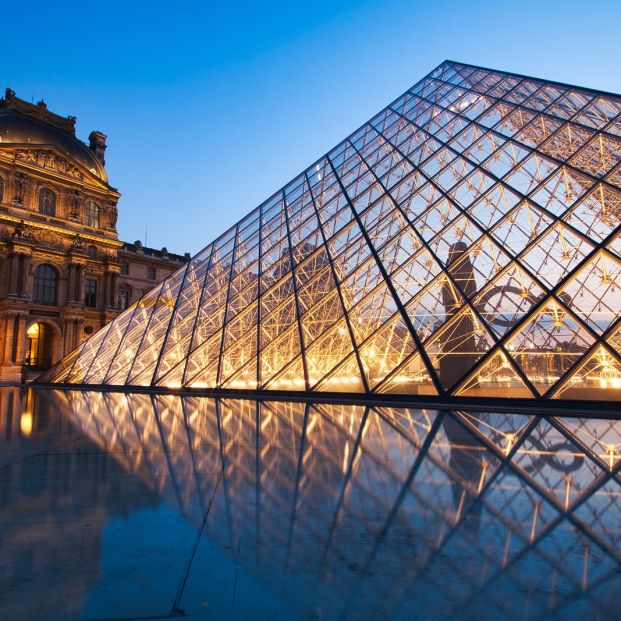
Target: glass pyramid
465,241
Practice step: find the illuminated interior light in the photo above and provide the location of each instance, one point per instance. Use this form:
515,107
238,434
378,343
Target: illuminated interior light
26,423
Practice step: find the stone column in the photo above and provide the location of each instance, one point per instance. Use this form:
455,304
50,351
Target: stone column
20,350
24,268
70,282
6,339
68,336
79,283
12,345
115,290
12,275
77,332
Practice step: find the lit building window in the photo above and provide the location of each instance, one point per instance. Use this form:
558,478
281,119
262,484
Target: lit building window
151,272
47,202
38,346
90,296
125,268
123,299
45,284
92,214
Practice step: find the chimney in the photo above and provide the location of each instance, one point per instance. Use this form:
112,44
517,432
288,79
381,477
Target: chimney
98,146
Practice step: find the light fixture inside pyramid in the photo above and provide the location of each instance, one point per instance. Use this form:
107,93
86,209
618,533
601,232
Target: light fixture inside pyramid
464,242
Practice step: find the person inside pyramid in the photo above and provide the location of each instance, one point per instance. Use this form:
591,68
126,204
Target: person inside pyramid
458,344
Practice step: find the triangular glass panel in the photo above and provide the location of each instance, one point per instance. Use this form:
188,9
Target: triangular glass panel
596,377
494,378
411,378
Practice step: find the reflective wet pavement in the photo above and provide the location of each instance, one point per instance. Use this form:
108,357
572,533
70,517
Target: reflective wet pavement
125,506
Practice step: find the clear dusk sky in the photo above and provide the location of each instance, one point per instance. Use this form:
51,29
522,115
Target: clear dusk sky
210,107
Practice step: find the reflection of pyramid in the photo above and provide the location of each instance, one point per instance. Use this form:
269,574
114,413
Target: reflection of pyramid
465,241
379,512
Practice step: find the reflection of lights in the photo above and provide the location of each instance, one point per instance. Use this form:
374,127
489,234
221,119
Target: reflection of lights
609,382
26,423
611,453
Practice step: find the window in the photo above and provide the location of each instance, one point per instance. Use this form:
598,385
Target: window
1,189
90,297
92,251
151,272
38,346
123,299
92,214
125,268
47,202
45,283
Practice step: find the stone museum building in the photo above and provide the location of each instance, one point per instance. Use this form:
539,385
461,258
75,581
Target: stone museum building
64,273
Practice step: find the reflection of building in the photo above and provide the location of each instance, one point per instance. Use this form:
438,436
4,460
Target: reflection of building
468,239
64,273
53,509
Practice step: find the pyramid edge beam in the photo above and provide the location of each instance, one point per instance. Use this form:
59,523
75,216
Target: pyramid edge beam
515,405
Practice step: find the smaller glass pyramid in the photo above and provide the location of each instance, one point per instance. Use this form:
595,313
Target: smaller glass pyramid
466,241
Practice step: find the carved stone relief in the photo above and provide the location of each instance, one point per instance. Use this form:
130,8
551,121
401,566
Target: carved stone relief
48,238
49,160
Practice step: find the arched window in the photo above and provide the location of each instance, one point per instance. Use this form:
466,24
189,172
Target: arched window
92,214
39,346
47,202
1,189
45,284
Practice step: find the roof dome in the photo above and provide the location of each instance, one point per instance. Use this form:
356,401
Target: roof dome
22,128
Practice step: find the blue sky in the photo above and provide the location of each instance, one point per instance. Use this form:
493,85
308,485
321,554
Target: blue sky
210,107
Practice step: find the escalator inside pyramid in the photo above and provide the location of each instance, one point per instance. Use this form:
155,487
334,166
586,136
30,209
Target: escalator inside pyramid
465,242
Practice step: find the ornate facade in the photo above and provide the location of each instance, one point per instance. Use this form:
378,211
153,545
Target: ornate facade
63,271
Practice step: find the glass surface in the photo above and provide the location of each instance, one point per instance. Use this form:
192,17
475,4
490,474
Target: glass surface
125,506
464,242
